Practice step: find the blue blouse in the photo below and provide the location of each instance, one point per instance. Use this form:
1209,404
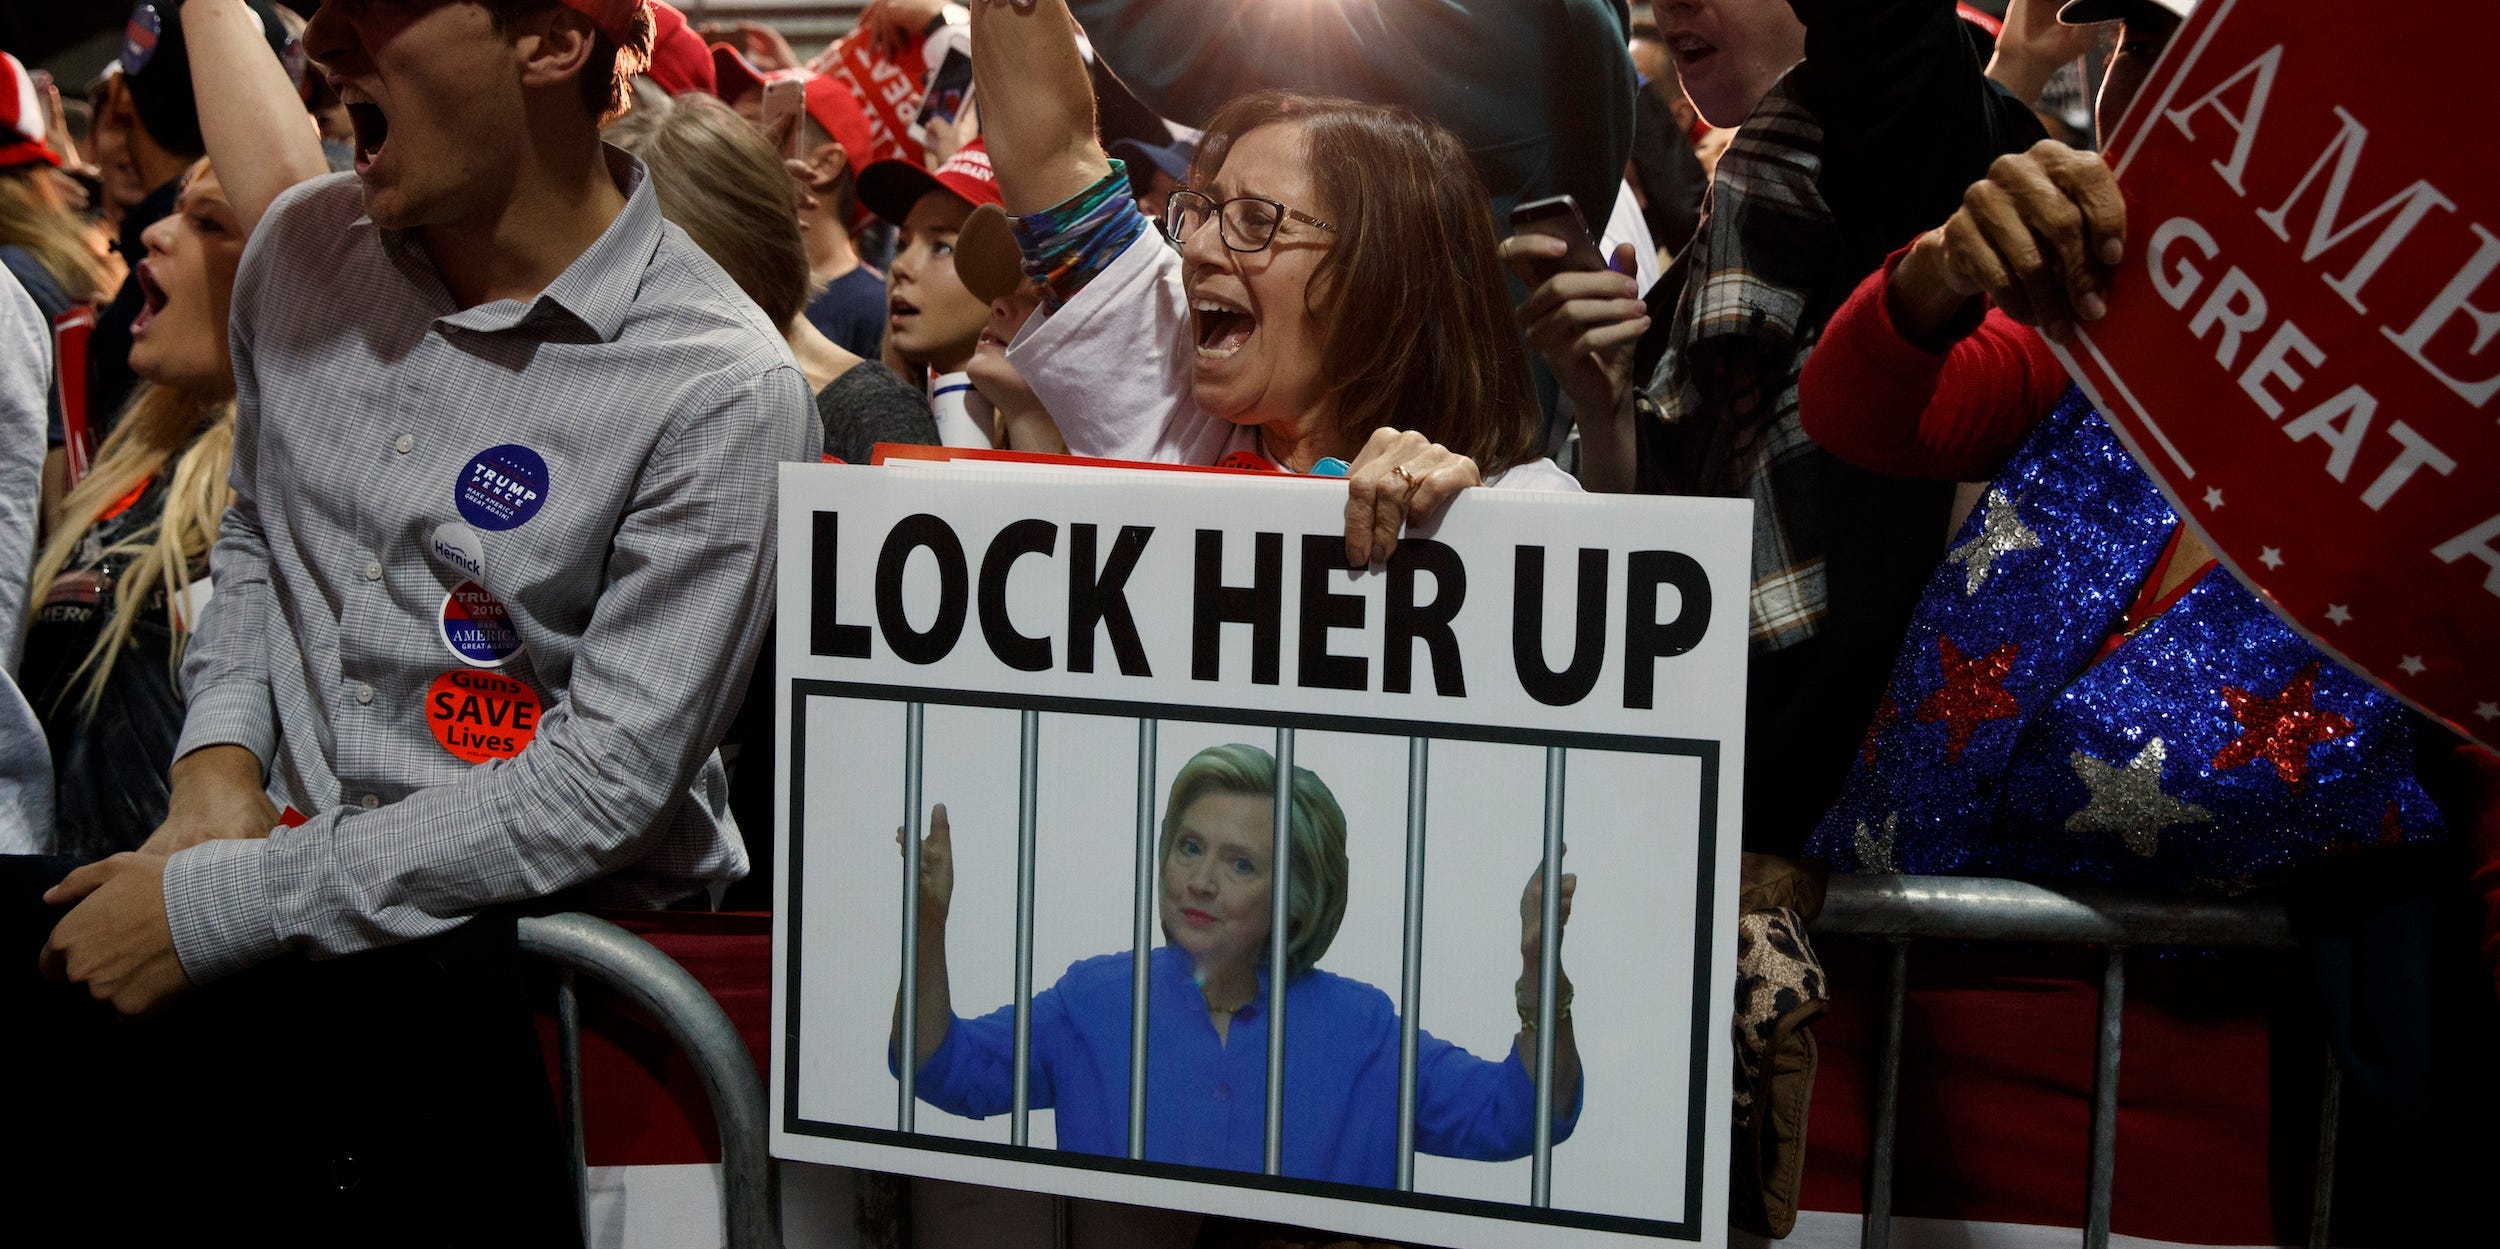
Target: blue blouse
1206,1099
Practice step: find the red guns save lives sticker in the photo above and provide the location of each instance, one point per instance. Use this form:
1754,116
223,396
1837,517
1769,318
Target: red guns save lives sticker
481,715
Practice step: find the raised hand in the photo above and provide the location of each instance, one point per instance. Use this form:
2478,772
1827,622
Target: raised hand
1532,914
1584,323
937,868
2040,236
762,45
2034,45
894,25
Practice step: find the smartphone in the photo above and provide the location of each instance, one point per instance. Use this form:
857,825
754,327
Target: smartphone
1559,216
950,89
785,97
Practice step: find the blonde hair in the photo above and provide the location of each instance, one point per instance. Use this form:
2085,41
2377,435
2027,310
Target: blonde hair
32,218
722,184
1315,841
162,425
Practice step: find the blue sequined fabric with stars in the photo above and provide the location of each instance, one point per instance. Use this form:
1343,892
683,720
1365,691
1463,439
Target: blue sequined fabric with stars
2213,750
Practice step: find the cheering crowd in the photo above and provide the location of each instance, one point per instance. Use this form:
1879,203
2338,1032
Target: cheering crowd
389,404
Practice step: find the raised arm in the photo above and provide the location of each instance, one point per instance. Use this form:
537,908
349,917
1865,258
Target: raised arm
259,136
934,1001
1037,105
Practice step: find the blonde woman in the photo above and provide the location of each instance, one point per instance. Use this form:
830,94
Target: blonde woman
124,573
718,179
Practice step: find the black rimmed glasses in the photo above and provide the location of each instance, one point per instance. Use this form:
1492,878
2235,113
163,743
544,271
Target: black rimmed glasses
1246,223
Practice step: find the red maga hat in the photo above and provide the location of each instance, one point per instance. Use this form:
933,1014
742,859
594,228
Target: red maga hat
21,118
890,187
679,61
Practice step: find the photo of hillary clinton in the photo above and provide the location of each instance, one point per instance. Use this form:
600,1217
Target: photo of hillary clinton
1206,1050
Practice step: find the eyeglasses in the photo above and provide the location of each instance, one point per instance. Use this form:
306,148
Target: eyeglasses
1246,223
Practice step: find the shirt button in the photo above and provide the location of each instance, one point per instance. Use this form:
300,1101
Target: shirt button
373,570
364,694
1223,1092
405,444
369,801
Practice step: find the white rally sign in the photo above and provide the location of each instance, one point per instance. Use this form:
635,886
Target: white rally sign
1081,667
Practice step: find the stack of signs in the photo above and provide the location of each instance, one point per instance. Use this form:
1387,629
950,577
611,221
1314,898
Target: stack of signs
2300,346
1069,703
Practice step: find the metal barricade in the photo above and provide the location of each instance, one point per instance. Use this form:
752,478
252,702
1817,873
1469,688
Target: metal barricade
1901,909
582,945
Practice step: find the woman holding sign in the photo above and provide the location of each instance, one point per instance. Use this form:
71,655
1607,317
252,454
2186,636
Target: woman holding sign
2080,697
1330,300
1206,1047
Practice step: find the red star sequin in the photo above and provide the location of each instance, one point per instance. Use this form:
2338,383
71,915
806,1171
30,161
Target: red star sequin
1887,714
2281,730
1973,693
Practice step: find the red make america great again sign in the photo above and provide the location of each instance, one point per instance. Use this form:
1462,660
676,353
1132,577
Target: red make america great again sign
2301,347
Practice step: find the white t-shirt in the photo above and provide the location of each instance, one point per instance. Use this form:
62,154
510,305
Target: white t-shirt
1113,367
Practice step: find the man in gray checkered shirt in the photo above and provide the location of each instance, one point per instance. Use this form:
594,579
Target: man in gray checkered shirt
501,552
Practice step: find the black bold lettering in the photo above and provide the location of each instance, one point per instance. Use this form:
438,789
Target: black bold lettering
1646,638
954,589
1025,537
826,634
1588,633
1101,598
1321,611
1260,605
1405,623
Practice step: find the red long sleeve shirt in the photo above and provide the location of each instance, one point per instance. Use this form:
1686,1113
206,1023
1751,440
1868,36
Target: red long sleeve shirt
1874,398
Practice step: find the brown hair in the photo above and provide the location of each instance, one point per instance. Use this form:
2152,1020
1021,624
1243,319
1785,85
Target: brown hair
723,185
607,80
1412,297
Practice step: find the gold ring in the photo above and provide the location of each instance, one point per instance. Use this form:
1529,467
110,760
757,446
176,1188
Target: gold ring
1409,478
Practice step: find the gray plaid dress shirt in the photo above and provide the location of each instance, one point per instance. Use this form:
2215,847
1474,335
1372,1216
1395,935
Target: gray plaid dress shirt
632,552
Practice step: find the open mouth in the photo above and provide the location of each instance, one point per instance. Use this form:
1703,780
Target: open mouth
373,129
991,338
897,308
151,293
1690,49
1222,327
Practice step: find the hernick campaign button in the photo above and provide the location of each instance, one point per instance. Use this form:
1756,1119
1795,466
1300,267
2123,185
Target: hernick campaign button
502,487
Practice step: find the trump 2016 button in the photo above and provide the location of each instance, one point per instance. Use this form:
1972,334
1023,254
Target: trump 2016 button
477,627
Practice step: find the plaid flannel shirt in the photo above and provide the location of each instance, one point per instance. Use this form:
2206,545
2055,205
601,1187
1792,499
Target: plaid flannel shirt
1726,387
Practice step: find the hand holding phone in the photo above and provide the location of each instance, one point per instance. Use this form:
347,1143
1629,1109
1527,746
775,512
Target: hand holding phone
1559,217
785,99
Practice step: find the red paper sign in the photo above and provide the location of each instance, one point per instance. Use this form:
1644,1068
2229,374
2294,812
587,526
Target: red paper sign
888,88
2300,345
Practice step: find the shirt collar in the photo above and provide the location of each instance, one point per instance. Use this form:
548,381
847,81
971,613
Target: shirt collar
597,289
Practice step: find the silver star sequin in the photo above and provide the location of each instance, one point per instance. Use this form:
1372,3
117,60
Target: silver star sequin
1874,852
2000,532
2128,801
